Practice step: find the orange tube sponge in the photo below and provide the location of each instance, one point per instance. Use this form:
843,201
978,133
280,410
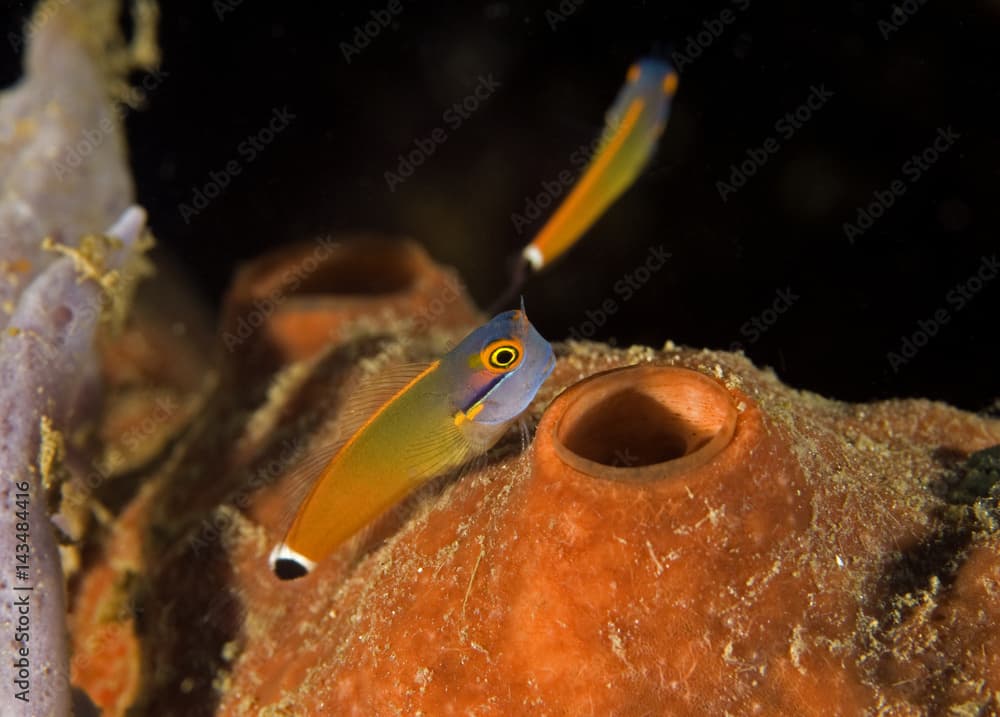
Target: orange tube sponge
674,560
292,303
684,535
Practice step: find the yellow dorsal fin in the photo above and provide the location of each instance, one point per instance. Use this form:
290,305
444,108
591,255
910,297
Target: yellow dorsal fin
370,394
358,402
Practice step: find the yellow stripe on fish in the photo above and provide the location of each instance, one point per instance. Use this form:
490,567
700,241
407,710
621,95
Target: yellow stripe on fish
438,418
634,125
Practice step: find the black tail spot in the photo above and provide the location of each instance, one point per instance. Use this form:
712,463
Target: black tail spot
288,569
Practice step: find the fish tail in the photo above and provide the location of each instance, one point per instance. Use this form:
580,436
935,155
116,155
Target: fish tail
289,564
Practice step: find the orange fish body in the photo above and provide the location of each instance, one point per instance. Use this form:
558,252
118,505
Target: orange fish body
448,412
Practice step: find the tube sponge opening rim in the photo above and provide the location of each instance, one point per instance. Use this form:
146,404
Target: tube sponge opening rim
694,401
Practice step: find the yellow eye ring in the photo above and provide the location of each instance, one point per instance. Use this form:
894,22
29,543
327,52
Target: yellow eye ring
502,356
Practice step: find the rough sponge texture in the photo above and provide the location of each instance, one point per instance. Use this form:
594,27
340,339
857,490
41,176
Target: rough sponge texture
824,562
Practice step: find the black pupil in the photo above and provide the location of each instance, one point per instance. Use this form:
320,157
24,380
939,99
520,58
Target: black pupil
503,357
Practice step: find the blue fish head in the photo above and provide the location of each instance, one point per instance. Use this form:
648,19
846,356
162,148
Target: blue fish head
499,368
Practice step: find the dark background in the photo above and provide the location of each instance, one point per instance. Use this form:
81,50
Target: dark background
325,172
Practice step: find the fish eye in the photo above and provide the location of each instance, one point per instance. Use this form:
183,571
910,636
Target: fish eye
502,355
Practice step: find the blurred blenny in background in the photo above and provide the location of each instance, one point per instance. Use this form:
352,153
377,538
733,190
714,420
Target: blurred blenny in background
633,126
